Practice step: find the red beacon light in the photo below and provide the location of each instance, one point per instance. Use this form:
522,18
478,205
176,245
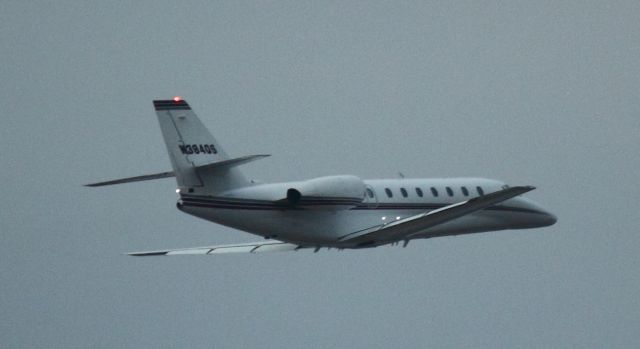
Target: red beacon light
177,99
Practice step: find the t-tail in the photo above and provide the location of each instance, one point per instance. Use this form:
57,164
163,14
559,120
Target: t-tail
200,164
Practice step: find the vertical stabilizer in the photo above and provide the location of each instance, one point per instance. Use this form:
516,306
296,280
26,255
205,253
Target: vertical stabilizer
190,145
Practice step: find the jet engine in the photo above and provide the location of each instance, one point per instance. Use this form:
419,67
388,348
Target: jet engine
331,193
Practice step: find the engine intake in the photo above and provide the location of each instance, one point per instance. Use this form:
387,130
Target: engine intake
293,196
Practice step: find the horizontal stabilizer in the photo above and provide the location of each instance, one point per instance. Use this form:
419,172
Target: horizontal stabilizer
133,179
266,246
231,162
206,167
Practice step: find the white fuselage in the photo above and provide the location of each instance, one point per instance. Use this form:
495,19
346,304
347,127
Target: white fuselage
342,211
263,210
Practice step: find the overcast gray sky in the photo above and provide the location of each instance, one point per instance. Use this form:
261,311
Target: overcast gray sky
542,93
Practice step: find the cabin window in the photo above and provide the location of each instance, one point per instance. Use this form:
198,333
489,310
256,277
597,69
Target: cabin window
419,192
370,193
465,191
449,191
388,191
480,191
434,191
404,192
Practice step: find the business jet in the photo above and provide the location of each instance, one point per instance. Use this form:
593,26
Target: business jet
342,211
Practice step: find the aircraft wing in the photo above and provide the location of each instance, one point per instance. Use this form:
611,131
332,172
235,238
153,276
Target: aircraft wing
403,228
266,246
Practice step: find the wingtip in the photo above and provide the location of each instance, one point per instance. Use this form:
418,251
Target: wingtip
522,189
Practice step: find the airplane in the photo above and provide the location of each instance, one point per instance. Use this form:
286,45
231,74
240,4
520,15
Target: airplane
341,211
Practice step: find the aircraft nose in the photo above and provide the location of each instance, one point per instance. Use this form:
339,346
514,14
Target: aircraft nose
538,217
547,219
543,218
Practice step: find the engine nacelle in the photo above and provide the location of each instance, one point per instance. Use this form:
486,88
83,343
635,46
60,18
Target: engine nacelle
331,193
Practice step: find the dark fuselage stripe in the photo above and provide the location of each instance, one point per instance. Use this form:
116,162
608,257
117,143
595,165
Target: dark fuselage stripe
266,205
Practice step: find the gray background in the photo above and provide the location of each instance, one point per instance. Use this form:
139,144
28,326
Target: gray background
542,93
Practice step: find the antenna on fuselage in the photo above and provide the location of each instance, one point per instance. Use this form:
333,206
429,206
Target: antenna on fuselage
401,174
